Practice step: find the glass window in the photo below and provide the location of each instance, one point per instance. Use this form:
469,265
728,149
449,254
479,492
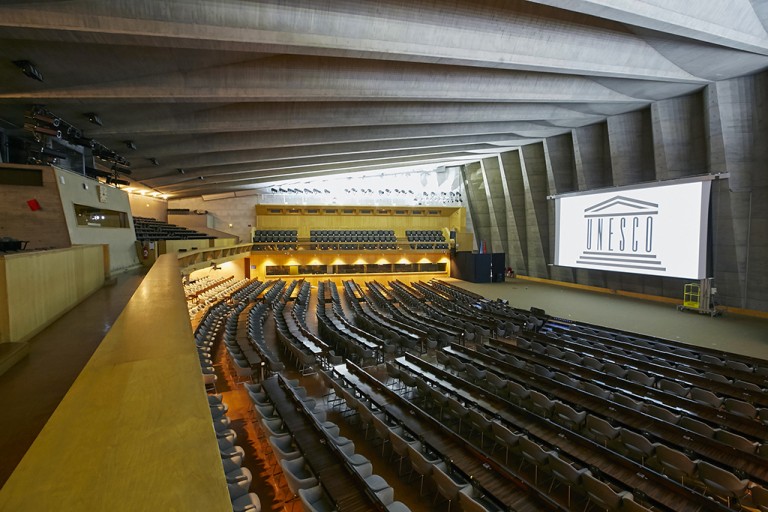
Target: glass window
99,217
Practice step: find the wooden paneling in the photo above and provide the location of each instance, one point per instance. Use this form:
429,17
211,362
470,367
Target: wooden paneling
304,220
134,432
45,227
38,287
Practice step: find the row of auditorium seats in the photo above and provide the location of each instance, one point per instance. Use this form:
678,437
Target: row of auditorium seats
238,478
275,239
426,239
304,348
220,289
666,349
347,341
303,483
149,229
529,458
409,446
511,377
414,440
656,455
348,240
674,382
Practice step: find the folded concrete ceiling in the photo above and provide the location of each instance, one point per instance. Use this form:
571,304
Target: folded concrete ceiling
241,93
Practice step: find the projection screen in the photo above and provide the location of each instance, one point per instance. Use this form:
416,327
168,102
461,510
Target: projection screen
658,230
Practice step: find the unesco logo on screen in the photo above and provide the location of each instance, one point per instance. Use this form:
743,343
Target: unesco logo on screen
620,234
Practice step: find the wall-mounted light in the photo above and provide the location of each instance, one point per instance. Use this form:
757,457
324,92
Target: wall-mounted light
94,118
29,69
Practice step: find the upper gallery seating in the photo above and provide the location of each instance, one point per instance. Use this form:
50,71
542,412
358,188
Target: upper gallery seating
426,239
274,239
350,240
152,229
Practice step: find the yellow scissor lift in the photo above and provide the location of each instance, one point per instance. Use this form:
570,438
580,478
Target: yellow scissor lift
699,297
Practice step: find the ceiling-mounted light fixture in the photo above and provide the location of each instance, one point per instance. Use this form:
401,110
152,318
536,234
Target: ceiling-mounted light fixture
130,144
29,69
94,118
154,161
181,171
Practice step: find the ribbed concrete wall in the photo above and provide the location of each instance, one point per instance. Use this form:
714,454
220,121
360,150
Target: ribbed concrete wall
723,128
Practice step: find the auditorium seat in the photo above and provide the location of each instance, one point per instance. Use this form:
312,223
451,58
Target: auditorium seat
706,397
565,473
600,430
314,500
423,465
535,455
717,377
722,483
596,390
698,426
505,437
517,392
283,448
759,498
627,402
249,502
736,441
448,486
639,377
662,413
636,445
470,501
602,494
400,446
749,386
673,387
298,475
568,416
480,424
541,404
676,464
740,408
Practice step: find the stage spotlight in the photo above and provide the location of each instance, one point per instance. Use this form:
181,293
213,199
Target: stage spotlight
274,190
130,144
29,69
181,171
93,118
201,177
327,191
154,161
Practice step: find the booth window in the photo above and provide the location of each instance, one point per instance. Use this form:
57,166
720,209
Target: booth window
99,217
